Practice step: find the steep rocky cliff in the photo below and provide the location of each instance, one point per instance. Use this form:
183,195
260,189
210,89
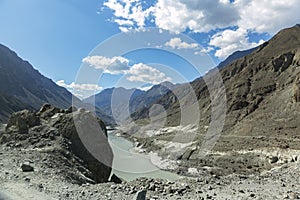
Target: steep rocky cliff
19,80
262,113
261,90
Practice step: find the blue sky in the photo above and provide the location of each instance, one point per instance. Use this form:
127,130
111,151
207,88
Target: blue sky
81,44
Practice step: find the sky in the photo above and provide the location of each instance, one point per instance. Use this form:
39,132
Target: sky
87,46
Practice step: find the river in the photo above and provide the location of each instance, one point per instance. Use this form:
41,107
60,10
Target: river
129,165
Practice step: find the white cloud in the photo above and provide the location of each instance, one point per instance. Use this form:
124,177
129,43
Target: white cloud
128,12
145,87
123,22
205,15
207,50
120,65
174,15
85,87
267,16
258,16
177,43
80,90
252,16
125,29
80,87
144,73
62,83
80,96
224,1
230,41
114,65
197,16
204,51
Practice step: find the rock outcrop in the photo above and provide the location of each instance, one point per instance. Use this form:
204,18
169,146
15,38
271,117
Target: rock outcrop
296,90
22,121
75,141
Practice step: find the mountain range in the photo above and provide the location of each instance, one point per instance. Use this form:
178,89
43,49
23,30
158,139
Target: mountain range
234,56
23,87
120,103
261,90
250,78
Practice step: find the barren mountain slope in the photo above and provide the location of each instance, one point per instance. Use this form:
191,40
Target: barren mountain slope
262,116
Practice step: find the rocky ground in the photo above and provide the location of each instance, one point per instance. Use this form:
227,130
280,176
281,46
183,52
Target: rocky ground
42,157
46,183
29,172
237,167
229,154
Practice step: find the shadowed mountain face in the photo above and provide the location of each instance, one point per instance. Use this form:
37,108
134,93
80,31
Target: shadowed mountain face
150,96
119,103
262,90
113,97
23,87
236,55
10,104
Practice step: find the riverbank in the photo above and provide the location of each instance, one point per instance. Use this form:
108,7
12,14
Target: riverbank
47,180
231,154
130,164
278,183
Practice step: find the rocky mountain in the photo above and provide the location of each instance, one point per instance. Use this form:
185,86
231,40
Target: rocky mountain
113,97
261,106
23,87
256,156
151,95
10,104
270,70
236,55
20,82
119,103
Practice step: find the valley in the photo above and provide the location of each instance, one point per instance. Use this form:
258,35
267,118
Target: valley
238,139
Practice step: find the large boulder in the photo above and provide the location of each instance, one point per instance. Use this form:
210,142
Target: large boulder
88,137
75,140
21,121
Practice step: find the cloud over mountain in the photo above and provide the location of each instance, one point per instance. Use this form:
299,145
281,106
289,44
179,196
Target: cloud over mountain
229,41
177,43
139,72
231,19
144,73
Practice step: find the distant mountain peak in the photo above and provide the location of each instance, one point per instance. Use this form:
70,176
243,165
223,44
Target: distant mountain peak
236,55
167,84
296,26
